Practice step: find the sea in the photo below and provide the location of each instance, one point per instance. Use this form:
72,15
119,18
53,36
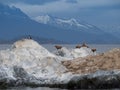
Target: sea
101,48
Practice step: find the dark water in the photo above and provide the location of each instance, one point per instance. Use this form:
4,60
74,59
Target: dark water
50,47
29,88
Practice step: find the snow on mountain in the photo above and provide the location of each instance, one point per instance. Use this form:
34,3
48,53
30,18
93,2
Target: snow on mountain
16,22
71,22
42,19
46,19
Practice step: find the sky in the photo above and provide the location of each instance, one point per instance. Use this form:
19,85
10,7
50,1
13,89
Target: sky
102,13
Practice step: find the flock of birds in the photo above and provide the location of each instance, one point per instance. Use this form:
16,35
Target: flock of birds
78,46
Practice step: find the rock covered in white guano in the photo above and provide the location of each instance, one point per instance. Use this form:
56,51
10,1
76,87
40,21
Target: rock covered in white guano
29,63
74,53
81,52
64,53
32,58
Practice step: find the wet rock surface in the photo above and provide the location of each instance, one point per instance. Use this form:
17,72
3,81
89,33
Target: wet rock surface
97,80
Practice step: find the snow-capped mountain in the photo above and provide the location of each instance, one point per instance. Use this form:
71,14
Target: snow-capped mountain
69,24
14,23
46,19
43,19
11,11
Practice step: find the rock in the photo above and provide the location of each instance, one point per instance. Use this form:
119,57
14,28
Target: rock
69,54
28,63
91,64
97,80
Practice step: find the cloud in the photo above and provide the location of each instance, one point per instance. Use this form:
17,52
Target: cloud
65,6
71,1
53,7
96,3
38,2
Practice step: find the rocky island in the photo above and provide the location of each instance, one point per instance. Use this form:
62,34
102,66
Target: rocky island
28,63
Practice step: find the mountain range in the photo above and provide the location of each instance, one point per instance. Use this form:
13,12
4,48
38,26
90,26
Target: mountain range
14,23
67,24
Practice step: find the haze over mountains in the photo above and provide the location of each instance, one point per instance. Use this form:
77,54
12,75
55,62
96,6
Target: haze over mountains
14,23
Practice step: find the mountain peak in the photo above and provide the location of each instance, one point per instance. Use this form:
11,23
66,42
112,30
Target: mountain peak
42,19
71,22
11,10
65,30
54,21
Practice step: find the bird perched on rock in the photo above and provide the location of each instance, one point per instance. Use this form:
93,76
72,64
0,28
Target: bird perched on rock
78,46
58,46
29,37
94,50
84,45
